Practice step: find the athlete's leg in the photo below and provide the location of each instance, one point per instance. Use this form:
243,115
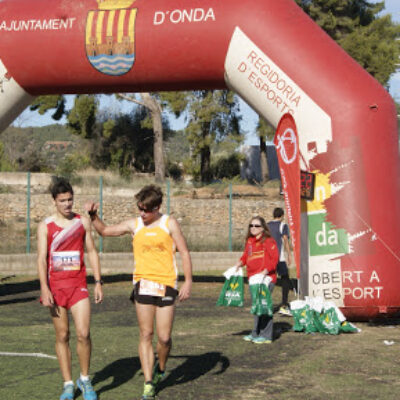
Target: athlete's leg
164,322
61,326
81,314
283,272
286,284
145,315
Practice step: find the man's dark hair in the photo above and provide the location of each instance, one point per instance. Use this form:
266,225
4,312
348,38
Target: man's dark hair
59,185
150,197
278,212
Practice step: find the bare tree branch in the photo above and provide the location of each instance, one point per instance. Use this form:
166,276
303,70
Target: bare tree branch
131,99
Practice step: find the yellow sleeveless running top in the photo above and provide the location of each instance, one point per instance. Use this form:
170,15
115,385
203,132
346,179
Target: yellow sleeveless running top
154,253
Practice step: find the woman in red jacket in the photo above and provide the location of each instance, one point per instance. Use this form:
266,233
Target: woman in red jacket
260,256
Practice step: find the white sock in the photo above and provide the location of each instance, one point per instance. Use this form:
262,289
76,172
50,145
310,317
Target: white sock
84,377
68,383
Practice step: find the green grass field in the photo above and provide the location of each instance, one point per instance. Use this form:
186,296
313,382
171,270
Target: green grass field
209,359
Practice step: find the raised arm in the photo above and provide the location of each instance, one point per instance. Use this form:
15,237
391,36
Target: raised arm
45,294
180,242
93,260
102,229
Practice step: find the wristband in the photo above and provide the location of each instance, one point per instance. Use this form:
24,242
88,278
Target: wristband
99,281
92,215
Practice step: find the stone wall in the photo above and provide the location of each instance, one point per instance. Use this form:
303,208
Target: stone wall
203,217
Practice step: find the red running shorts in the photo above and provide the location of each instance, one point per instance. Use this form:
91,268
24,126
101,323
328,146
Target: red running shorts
67,297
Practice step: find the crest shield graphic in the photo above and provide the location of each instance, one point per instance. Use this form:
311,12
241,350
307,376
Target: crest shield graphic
110,38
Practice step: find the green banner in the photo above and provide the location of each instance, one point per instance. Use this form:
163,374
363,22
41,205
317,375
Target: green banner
323,238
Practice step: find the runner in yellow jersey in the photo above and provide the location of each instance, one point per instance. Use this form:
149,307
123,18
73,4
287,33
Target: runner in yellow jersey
155,239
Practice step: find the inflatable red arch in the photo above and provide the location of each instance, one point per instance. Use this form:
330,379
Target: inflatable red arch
276,58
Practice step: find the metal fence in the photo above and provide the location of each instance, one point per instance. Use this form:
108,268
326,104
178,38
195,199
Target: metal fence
211,221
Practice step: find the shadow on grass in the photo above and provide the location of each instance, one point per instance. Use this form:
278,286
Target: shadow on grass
128,277
120,370
29,286
15,301
7,289
194,367
280,328
392,321
19,287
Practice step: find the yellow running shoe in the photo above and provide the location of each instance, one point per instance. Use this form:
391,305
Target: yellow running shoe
149,392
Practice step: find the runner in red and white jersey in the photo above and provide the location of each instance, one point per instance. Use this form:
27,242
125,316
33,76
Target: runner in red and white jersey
65,253
62,274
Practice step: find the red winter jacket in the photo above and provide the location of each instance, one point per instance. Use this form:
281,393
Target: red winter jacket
260,254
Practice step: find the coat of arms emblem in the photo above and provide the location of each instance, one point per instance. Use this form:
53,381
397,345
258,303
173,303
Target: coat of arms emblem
110,36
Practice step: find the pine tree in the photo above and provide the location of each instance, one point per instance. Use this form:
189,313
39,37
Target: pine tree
366,36
82,117
212,116
152,104
44,103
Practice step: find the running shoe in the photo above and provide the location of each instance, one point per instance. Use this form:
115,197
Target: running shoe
87,390
285,311
68,392
149,392
158,376
248,338
261,340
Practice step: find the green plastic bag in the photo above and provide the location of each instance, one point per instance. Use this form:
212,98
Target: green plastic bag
330,321
232,294
348,327
316,315
261,301
320,323
304,317
298,308
310,326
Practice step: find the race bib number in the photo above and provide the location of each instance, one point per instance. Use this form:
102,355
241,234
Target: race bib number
66,261
150,288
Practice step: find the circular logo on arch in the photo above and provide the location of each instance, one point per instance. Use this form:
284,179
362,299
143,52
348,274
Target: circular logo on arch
287,145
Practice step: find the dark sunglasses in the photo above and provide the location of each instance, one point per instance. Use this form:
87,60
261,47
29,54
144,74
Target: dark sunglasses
254,226
146,210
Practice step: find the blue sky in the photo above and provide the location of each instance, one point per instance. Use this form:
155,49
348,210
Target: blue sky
28,118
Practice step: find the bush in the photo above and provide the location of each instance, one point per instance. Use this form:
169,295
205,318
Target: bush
175,172
71,164
227,167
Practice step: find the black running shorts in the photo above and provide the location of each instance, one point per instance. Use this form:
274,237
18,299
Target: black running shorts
167,300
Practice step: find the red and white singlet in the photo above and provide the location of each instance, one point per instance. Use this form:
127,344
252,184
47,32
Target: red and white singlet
65,252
